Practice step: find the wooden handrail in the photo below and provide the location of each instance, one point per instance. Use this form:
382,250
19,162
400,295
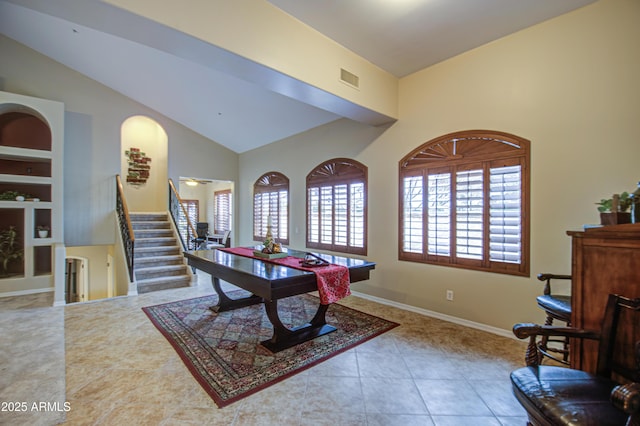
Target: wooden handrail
192,229
125,208
126,229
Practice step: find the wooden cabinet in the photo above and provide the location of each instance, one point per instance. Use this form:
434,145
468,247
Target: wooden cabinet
31,140
604,260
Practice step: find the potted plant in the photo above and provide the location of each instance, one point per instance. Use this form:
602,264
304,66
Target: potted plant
615,210
43,231
9,250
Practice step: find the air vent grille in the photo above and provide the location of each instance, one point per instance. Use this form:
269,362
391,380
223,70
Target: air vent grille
350,78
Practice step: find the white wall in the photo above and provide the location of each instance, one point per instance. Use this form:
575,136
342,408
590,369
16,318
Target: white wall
570,85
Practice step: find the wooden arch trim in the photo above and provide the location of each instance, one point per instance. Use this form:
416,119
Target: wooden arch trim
271,181
464,146
337,170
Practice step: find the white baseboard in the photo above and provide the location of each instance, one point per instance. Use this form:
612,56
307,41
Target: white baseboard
25,292
438,315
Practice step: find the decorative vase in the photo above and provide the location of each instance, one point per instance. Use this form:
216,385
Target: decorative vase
43,233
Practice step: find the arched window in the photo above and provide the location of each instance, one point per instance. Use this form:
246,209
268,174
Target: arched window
464,202
337,206
271,204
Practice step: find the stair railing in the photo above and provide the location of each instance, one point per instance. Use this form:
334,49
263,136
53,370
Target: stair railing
179,215
126,229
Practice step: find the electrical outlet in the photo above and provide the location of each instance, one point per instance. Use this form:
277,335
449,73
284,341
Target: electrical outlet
450,295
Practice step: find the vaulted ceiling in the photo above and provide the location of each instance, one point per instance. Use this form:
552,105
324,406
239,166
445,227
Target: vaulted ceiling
206,88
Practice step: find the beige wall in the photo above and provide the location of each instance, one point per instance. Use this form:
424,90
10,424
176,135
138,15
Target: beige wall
97,260
569,85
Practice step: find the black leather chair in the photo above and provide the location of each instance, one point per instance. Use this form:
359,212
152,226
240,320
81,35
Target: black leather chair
557,307
202,230
556,395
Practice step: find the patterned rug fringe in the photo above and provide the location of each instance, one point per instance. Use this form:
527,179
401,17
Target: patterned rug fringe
223,351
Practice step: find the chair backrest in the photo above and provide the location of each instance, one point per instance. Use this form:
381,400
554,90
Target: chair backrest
201,229
617,356
226,241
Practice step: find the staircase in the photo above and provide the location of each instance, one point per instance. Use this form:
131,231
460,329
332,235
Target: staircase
158,256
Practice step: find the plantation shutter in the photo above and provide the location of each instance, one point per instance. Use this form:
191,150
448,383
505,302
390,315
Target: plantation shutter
469,214
271,200
222,211
439,214
464,201
337,206
413,213
505,214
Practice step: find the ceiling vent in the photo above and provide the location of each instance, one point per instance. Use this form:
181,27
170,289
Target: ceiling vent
349,78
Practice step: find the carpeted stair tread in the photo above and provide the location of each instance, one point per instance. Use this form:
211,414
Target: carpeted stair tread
149,261
149,217
160,271
144,252
165,283
153,233
155,242
159,264
150,226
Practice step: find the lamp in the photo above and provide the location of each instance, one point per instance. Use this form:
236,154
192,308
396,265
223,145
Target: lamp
191,182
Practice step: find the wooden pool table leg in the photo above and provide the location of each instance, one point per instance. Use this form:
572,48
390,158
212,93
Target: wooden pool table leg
284,337
226,304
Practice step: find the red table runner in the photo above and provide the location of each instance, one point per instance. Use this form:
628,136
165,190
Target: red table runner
333,280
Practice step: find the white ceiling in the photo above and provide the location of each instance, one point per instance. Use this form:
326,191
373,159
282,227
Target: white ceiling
165,70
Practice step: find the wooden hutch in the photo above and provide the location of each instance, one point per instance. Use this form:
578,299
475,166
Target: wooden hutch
604,260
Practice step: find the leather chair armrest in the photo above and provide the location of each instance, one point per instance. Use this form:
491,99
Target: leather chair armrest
524,330
532,355
627,398
548,277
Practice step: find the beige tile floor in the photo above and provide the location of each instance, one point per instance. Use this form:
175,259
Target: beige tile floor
110,364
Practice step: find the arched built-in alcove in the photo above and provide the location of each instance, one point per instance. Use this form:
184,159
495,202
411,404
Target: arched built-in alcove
31,157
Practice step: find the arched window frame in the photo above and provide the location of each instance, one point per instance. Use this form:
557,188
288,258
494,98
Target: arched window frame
343,180
442,230
271,202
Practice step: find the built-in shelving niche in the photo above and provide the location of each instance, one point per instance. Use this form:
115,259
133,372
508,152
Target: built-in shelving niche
23,130
14,218
13,165
41,260
42,217
33,190
31,166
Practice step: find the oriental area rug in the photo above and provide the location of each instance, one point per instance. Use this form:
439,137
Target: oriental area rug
223,351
